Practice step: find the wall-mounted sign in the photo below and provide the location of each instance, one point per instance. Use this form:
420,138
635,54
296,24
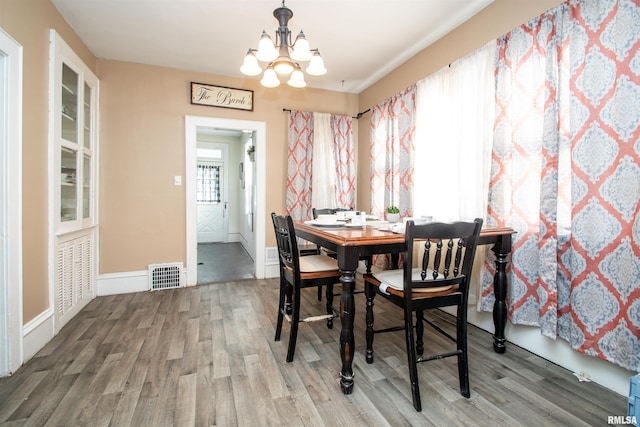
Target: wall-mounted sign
220,96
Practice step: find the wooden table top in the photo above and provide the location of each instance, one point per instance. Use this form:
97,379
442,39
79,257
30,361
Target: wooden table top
371,235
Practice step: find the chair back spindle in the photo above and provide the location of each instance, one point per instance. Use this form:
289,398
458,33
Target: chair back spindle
445,257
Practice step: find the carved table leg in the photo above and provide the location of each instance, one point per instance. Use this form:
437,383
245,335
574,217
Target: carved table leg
370,295
501,249
347,342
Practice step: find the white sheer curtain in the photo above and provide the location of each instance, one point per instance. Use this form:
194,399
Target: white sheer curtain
454,130
323,184
455,113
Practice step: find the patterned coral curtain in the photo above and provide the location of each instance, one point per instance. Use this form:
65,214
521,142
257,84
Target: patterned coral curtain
303,138
391,161
391,157
566,175
345,160
299,155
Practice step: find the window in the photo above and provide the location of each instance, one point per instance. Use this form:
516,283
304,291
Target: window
208,183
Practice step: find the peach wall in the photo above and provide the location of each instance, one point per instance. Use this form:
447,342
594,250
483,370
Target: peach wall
28,22
142,147
497,19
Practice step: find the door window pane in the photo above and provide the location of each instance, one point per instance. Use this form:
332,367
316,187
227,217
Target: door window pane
208,184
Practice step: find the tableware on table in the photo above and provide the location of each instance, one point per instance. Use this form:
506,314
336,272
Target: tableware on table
358,220
326,219
398,228
335,224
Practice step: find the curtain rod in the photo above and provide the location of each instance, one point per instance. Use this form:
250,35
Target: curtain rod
357,116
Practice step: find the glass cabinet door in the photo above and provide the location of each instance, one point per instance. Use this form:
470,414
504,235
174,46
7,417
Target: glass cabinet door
73,109
86,187
69,107
76,149
86,143
68,185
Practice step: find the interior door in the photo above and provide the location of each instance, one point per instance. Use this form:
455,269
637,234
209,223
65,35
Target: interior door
212,215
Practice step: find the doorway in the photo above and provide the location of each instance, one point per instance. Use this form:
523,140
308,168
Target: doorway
254,217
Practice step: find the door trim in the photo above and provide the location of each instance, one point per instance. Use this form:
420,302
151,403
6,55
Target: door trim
11,282
191,125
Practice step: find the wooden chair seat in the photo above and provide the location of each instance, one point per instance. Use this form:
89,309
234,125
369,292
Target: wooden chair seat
318,263
392,281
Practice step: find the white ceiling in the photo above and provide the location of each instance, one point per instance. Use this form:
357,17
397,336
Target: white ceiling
360,40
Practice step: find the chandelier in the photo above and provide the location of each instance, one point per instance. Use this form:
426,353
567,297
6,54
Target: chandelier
283,57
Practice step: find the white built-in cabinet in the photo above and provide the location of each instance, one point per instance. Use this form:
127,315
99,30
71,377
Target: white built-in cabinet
73,168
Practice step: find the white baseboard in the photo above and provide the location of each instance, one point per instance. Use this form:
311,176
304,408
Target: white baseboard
37,333
236,238
127,282
271,271
123,283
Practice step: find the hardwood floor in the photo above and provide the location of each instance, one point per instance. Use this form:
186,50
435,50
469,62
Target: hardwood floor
205,356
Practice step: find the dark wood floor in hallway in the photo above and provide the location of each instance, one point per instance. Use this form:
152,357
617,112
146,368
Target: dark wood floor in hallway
205,356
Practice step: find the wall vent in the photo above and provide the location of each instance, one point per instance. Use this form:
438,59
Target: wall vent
165,276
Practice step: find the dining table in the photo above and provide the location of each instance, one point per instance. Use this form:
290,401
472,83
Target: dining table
351,243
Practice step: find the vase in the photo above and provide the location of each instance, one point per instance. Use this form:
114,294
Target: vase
393,217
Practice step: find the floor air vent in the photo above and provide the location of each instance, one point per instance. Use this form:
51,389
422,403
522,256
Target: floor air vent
165,276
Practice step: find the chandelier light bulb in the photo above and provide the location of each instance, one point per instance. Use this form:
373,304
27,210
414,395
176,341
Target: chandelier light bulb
270,79
301,50
250,66
297,78
316,65
267,51
283,65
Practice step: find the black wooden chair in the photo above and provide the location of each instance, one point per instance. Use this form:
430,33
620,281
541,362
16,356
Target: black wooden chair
296,273
441,279
325,211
